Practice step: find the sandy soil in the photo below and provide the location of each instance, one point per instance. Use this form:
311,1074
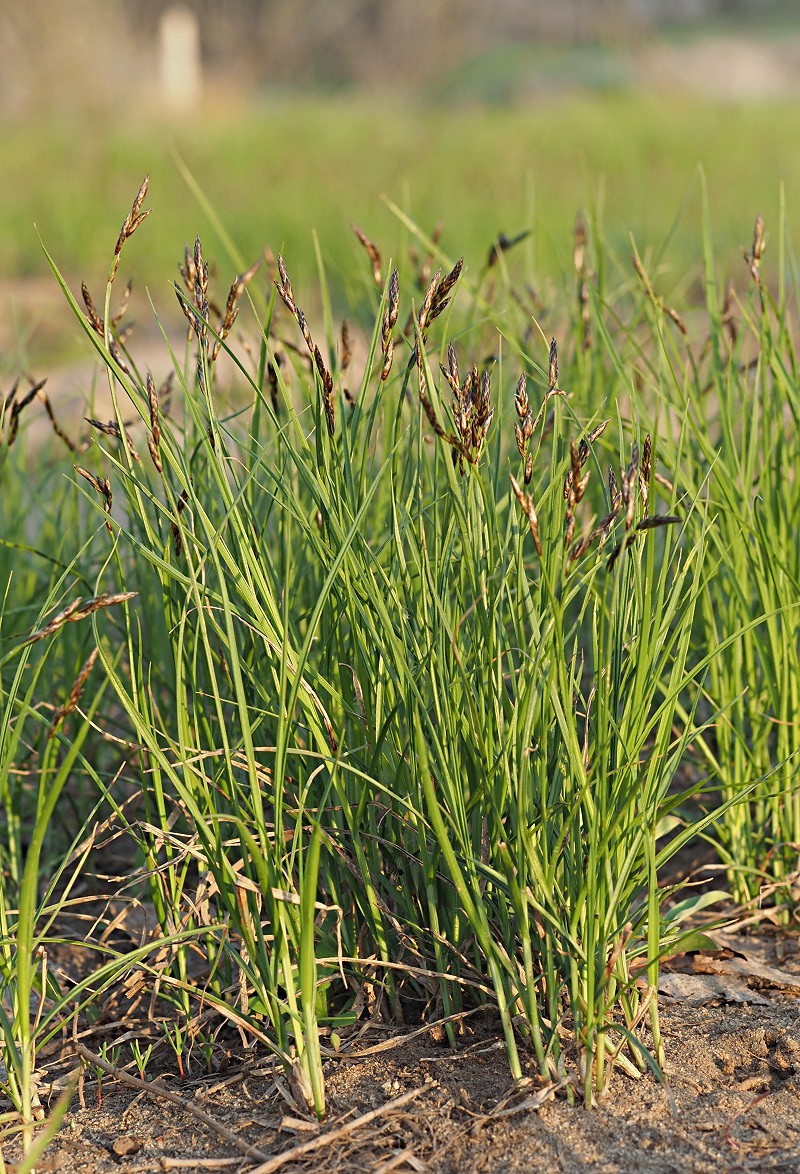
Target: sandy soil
731,1102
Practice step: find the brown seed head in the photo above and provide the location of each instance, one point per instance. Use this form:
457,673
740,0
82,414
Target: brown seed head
187,269
394,298
284,287
75,694
552,374
112,428
451,374
442,295
154,439
346,350
17,406
91,313
122,307
729,316
644,471
753,258
130,224
628,478
613,489
427,303
483,414
579,235
101,485
77,610
238,287
388,324
526,503
502,243
521,398
372,252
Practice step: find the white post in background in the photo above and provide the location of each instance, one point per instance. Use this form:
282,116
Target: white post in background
180,71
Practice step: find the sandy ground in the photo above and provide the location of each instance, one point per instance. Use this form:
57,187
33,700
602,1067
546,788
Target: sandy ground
731,1102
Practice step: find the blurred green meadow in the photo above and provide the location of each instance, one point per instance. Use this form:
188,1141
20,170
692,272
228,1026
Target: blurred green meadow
274,172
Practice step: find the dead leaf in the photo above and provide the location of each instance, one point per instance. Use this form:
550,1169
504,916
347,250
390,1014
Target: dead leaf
749,961
697,989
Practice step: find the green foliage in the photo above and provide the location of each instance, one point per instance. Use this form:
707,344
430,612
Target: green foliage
413,688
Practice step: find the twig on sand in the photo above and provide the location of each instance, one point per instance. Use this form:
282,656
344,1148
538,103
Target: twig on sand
334,1135
155,1088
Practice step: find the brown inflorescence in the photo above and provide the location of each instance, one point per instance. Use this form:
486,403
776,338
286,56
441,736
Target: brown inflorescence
130,224
526,502
111,428
13,407
585,278
523,429
227,319
472,411
154,436
372,252
658,302
75,694
388,324
101,485
284,287
78,610
757,250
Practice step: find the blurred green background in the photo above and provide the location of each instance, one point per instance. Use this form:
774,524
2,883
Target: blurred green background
486,117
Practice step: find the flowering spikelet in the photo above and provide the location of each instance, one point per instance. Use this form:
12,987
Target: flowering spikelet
75,694
526,502
238,287
552,370
523,429
78,610
154,437
130,224
757,250
372,252
388,324
284,288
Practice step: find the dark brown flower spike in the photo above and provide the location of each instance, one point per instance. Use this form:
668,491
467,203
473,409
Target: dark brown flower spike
389,323
75,694
78,610
238,287
757,250
284,288
526,502
130,224
372,252
552,371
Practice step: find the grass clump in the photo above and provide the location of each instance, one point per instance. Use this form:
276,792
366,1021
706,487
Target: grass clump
408,653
